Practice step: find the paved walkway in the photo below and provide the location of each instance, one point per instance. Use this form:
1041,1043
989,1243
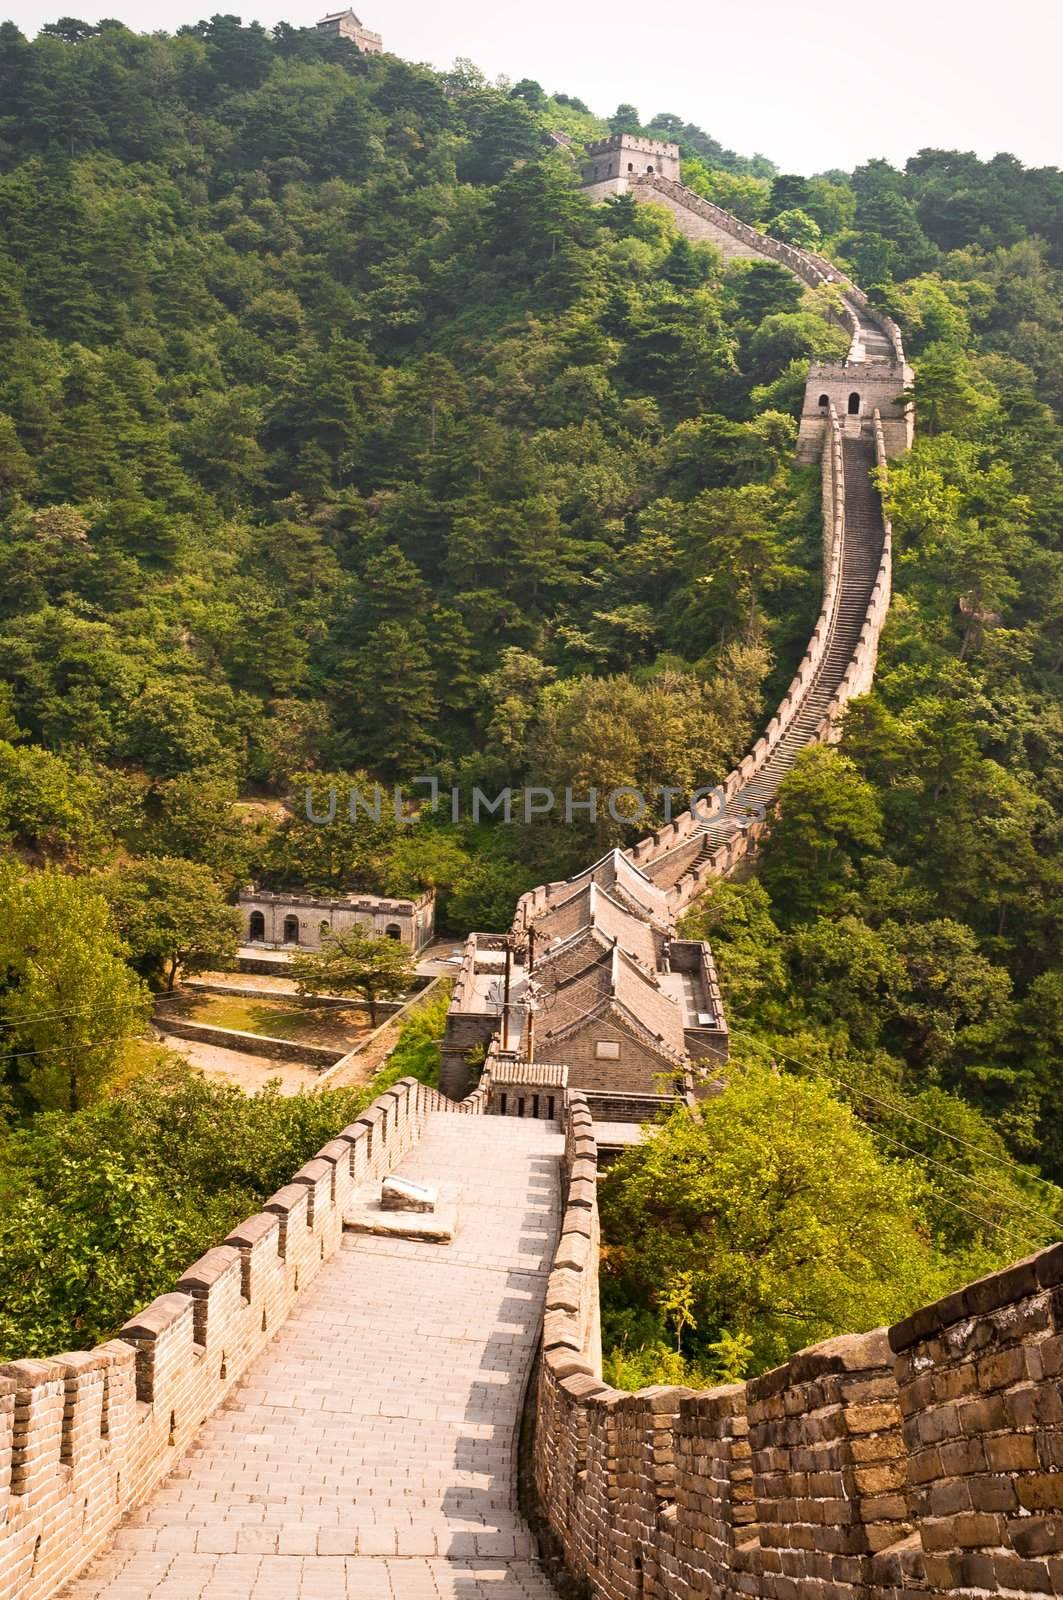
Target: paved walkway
369,1454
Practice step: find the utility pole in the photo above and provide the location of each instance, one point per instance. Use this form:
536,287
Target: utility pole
505,992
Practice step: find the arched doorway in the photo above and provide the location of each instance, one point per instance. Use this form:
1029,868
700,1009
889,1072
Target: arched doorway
393,931
854,404
291,930
256,927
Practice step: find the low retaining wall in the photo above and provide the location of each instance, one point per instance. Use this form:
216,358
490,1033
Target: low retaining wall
86,1436
321,1002
926,1457
255,1044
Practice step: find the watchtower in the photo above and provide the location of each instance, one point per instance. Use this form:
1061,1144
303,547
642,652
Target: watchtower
346,25
856,389
612,163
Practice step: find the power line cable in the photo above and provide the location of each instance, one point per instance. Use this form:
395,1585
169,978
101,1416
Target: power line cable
964,1177
82,1011
901,1111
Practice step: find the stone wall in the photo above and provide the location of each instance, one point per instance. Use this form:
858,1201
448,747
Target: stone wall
87,1435
926,1459
856,680
256,1044
833,502
412,922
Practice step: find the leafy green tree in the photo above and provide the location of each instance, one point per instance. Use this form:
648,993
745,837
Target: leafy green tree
339,830
355,962
47,808
828,819
774,1206
68,1001
173,918
625,119
797,227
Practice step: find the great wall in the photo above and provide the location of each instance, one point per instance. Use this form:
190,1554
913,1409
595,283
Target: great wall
317,1412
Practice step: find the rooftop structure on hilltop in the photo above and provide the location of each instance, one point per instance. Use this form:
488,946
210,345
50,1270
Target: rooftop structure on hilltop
345,25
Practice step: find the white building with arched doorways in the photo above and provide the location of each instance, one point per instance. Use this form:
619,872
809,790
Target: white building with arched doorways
293,921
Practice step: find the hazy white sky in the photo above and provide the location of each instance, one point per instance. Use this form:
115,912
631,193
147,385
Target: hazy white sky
811,86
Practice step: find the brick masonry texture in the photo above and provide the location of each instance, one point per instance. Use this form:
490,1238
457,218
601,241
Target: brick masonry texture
368,1393
312,1415
921,1459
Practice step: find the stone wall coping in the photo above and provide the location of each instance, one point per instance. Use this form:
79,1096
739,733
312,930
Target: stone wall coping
252,1230
211,1266
849,1352
1021,1279
287,1199
312,1172
160,1317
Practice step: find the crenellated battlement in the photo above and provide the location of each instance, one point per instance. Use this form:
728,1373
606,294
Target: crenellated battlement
86,1436
924,1458
629,141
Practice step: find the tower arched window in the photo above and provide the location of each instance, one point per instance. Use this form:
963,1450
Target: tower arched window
854,404
824,401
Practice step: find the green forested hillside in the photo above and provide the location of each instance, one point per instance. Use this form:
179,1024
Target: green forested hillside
340,435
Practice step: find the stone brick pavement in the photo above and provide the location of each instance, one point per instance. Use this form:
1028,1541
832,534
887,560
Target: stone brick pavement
371,1451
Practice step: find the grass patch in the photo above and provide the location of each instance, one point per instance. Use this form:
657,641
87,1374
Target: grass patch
272,1019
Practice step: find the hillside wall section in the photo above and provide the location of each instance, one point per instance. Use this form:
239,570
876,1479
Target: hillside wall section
921,1459
86,1436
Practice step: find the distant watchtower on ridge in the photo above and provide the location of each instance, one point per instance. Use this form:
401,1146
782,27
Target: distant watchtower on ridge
345,25
612,163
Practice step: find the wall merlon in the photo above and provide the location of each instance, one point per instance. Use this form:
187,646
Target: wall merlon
157,1320
85,1436
925,1457
289,1206
253,1231
205,1273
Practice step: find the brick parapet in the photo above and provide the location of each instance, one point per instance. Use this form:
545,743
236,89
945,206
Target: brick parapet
923,1459
86,1436
685,826
856,680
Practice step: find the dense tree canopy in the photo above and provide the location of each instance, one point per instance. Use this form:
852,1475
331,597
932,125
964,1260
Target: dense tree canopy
342,442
